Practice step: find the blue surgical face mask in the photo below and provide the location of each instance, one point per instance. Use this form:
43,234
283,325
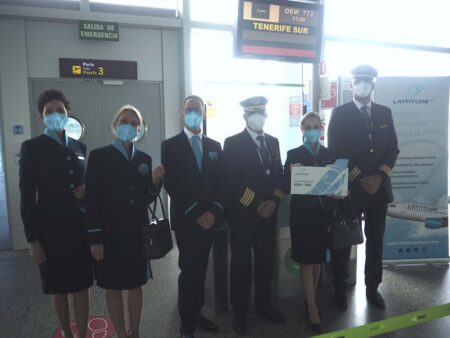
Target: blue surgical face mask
312,135
126,132
56,121
193,120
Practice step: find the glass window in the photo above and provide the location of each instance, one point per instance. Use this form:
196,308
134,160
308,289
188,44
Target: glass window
168,4
401,21
342,57
214,11
223,81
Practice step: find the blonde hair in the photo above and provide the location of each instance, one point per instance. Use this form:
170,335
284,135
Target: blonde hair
121,111
313,115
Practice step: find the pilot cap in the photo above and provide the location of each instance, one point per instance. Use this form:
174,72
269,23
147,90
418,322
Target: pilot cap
254,104
364,71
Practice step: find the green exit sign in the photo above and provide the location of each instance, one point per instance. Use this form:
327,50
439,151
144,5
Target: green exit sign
97,30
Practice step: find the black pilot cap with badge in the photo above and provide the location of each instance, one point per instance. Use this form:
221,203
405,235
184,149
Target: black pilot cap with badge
254,104
364,71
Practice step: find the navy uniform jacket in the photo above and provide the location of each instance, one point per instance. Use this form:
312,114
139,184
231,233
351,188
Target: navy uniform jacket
191,192
306,204
118,192
52,171
348,138
247,182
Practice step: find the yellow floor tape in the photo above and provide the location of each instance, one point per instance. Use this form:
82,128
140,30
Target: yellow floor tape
391,324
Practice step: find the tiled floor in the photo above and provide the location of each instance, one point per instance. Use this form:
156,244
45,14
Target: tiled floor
26,312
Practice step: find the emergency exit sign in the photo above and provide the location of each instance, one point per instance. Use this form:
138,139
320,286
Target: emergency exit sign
98,30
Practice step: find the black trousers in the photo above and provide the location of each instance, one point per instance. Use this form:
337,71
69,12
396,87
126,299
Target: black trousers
247,234
374,208
194,245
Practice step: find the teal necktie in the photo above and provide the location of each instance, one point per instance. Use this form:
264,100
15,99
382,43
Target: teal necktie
197,150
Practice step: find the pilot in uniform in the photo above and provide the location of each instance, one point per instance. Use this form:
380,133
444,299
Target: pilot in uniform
363,132
253,172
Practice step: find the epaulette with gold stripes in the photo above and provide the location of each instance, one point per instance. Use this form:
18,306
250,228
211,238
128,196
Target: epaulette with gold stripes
386,169
247,197
354,173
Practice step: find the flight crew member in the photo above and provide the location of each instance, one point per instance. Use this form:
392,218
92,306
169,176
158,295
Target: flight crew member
192,166
363,132
119,187
253,171
52,169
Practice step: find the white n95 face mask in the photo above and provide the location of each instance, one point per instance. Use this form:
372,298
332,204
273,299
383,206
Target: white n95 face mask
362,89
256,122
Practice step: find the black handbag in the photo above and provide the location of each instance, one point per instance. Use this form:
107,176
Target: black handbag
345,227
156,235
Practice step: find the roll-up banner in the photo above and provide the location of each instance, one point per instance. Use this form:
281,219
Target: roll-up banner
417,221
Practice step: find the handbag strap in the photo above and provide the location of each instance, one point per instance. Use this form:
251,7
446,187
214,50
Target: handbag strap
155,204
351,206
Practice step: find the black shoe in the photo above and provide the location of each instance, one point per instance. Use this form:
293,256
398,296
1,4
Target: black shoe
240,325
206,324
340,300
270,314
375,298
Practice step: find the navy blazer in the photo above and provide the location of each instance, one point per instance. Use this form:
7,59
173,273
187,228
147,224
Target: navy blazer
191,191
118,192
48,172
308,203
246,180
369,152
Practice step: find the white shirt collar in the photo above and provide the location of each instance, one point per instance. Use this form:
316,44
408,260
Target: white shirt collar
189,134
253,134
360,105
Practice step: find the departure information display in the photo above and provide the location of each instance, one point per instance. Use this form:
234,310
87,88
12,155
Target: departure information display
279,30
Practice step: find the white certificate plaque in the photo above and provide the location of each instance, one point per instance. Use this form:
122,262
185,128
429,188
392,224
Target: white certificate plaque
331,180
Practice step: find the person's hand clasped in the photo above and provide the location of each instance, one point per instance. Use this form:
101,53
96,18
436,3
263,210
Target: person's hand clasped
37,252
266,208
295,165
206,220
371,183
158,174
97,251
79,192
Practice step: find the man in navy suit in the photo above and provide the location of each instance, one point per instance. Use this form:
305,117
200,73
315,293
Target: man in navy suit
363,132
253,174
192,175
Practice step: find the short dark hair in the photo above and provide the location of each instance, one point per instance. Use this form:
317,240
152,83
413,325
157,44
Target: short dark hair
194,97
50,95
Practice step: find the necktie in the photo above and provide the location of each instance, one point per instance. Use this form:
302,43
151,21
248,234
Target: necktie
197,151
263,152
366,117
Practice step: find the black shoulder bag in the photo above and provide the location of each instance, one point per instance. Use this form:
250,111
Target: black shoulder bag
345,227
156,235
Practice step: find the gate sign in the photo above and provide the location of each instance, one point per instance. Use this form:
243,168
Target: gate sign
98,69
98,327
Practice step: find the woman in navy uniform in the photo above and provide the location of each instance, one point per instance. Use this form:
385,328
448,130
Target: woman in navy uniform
52,167
308,215
119,187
